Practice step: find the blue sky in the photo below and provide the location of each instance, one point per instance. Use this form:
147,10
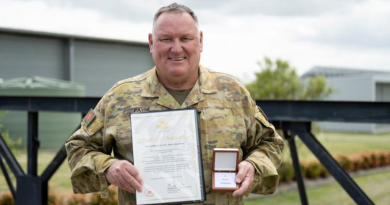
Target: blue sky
237,34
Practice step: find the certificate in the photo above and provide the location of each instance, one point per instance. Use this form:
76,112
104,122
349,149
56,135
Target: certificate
166,151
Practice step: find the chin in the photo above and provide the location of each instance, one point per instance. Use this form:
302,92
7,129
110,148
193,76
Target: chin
177,74
178,71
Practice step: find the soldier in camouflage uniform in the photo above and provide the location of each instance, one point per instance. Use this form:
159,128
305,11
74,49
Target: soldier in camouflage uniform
229,118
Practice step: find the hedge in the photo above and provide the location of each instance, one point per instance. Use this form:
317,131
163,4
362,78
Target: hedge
73,199
351,163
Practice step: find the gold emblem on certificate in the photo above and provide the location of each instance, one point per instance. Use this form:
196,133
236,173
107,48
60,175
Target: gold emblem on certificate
166,151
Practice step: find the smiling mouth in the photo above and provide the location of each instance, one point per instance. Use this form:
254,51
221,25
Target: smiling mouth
177,59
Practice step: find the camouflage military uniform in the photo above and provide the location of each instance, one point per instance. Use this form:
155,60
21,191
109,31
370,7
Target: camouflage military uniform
228,117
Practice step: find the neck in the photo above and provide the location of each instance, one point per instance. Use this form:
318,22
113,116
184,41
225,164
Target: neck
177,83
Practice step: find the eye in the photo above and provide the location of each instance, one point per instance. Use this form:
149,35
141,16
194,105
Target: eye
165,39
186,39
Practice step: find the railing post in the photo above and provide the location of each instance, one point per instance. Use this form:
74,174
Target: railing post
32,143
10,158
31,189
7,178
297,167
302,129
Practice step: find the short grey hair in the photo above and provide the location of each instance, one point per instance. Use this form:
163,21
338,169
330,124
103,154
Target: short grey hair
175,8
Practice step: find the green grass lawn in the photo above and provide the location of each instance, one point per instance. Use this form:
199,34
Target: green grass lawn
60,181
345,143
334,142
376,186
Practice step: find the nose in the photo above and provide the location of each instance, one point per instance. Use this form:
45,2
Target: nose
176,47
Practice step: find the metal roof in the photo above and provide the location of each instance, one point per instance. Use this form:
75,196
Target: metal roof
330,72
39,86
33,82
68,36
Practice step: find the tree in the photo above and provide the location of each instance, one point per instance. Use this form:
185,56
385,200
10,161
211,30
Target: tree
12,144
278,81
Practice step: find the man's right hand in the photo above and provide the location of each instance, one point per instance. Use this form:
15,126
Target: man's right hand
125,176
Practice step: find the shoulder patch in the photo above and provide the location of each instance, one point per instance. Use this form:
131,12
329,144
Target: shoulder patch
89,117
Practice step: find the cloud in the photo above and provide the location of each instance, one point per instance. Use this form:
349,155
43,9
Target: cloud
363,26
284,8
143,10
37,15
134,10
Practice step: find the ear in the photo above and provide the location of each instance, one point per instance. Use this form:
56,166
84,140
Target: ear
150,39
201,41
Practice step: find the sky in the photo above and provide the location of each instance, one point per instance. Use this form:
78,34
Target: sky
237,33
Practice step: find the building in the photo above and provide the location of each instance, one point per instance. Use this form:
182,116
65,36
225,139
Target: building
355,85
56,64
96,63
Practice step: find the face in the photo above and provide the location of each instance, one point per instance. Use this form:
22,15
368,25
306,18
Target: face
175,46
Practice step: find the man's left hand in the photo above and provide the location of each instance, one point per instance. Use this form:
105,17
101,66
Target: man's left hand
244,177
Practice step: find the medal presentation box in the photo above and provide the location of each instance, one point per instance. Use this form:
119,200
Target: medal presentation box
225,168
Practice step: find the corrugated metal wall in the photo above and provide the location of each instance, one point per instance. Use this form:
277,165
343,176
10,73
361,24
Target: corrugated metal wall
22,55
350,89
99,65
382,93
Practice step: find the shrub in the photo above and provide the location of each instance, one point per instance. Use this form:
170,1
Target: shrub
12,144
355,162
286,172
374,159
383,158
345,162
323,172
304,168
111,200
366,160
76,199
7,199
313,170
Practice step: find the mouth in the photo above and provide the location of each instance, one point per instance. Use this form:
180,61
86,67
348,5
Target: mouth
177,58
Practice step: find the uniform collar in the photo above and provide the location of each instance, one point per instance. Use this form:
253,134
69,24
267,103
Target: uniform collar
153,88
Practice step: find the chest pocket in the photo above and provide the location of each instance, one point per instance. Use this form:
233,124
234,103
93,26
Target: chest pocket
225,127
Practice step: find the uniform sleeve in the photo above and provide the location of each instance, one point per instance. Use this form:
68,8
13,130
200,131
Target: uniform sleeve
89,155
264,150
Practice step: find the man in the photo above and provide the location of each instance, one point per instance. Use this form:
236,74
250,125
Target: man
228,117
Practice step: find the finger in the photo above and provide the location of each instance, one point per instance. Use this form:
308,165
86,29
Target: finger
238,192
124,183
243,187
131,169
131,181
242,171
134,177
